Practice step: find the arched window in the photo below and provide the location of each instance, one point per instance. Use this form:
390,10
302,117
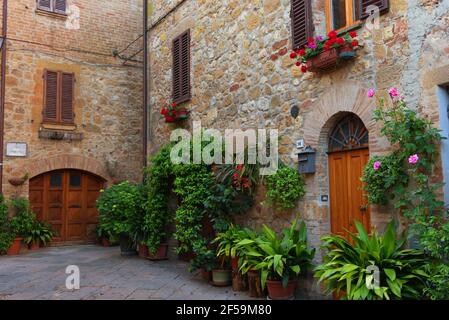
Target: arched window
350,133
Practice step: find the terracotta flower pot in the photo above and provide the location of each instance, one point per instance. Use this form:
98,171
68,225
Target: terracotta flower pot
182,114
254,284
206,275
277,292
221,277
35,245
105,242
161,254
14,249
170,119
235,263
324,61
143,251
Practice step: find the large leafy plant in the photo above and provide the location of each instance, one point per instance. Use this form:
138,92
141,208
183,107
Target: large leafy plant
6,234
348,268
40,232
157,184
285,188
24,219
282,257
120,209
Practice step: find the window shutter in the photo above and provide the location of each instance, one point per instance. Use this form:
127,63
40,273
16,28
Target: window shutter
301,19
67,86
176,69
60,6
50,96
185,67
44,5
364,4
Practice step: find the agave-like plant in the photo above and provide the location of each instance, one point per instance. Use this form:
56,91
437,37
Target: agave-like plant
350,270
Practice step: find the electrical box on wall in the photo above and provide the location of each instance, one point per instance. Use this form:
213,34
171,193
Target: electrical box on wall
307,160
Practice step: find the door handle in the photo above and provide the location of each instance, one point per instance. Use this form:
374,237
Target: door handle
75,206
364,208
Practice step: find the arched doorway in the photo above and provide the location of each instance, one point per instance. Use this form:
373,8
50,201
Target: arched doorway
66,199
348,155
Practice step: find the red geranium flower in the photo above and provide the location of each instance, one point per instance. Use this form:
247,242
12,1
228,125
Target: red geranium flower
302,52
293,55
332,34
355,43
311,40
304,69
298,64
340,41
174,105
353,34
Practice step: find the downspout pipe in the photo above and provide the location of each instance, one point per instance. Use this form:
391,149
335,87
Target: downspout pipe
3,88
145,82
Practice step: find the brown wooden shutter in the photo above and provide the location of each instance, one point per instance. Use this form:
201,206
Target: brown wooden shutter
67,87
181,68
185,67
50,96
60,6
176,51
302,24
44,4
364,4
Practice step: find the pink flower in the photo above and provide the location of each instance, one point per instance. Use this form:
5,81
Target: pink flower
413,159
376,165
371,93
393,92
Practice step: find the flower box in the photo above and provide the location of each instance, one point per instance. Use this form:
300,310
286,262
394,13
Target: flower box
174,113
329,59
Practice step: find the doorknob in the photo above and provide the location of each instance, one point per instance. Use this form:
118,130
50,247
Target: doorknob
364,208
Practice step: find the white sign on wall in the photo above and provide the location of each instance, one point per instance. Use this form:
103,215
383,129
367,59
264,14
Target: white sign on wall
16,149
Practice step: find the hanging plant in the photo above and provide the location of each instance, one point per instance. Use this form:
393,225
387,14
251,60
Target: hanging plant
174,113
321,53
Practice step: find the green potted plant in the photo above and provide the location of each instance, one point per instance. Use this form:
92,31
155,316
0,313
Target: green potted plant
283,258
6,235
21,223
40,233
119,209
205,260
227,244
348,267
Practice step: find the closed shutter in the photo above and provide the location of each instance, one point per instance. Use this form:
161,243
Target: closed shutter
50,96
364,4
67,85
44,5
181,68
60,6
302,24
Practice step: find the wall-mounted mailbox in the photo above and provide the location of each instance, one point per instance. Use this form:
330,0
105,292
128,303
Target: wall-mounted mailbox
307,160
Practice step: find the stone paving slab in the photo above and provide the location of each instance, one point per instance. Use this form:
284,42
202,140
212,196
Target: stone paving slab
105,274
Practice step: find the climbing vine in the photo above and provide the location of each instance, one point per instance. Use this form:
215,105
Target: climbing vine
406,175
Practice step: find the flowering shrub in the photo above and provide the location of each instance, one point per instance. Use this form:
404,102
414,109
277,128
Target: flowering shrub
174,113
317,45
417,144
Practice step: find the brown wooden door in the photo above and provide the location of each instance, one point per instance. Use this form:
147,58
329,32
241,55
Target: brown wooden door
66,200
347,200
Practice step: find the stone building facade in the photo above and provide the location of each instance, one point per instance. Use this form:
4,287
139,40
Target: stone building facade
242,77
104,139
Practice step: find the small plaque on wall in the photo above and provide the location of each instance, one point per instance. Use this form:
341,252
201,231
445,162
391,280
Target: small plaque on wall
16,149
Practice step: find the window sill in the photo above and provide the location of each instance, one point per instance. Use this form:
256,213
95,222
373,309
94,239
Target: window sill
59,126
57,15
60,135
353,27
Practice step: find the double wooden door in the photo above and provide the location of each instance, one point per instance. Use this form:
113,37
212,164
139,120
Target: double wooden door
348,202
66,199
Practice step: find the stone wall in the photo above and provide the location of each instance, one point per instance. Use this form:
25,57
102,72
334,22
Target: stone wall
243,77
108,94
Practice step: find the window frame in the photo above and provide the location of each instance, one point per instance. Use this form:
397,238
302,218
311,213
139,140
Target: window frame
182,98
59,94
52,9
351,20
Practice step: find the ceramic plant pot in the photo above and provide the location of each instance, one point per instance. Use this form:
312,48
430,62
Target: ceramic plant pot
276,290
161,254
14,249
221,277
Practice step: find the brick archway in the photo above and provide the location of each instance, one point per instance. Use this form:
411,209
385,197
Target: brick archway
67,161
340,98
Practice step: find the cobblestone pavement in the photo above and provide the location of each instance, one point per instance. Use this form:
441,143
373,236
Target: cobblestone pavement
104,275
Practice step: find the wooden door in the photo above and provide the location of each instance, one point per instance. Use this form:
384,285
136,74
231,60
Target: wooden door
347,200
66,200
